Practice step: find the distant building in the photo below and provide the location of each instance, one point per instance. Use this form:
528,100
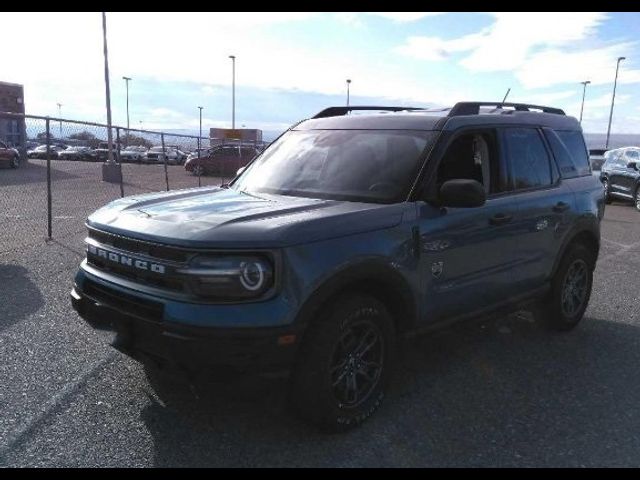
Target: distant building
218,136
12,130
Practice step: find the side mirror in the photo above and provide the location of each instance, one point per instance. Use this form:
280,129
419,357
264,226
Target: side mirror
633,165
462,193
240,170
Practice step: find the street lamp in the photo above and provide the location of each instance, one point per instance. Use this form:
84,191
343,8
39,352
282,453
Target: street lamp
584,91
200,121
233,91
127,79
60,116
613,99
348,83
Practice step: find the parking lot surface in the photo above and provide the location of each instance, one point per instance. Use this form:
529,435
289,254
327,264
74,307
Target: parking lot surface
485,393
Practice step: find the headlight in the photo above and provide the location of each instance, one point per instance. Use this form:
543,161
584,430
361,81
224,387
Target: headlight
229,277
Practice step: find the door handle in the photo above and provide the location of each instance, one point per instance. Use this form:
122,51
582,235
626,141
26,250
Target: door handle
500,219
561,207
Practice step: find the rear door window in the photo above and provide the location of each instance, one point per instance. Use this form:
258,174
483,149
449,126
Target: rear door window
528,158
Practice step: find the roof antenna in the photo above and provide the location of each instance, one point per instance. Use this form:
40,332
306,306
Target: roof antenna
506,95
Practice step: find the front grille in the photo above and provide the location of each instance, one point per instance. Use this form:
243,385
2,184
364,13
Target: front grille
139,277
139,247
128,304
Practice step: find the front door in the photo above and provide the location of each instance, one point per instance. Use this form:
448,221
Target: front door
467,253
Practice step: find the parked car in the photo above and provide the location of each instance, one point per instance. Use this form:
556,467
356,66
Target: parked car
597,158
620,175
102,152
41,152
180,154
9,157
224,160
347,233
158,154
199,152
77,153
133,154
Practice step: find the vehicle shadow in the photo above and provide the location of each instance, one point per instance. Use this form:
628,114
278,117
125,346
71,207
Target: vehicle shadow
19,296
33,171
499,393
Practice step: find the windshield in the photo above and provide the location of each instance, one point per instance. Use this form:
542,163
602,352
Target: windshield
357,165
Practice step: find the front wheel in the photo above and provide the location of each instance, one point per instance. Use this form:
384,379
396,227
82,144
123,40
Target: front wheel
198,170
605,184
15,161
345,364
571,286
637,199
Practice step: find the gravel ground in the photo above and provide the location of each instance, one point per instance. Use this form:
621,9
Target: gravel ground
494,393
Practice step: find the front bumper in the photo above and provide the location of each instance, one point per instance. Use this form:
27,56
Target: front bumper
142,332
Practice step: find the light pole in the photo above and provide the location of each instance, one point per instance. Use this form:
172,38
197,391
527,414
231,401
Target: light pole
200,121
233,91
613,99
110,170
348,83
584,91
60,121
127,79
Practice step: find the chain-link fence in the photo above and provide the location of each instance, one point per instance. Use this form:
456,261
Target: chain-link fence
65,172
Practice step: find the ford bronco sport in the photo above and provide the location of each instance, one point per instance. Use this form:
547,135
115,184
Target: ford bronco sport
352,229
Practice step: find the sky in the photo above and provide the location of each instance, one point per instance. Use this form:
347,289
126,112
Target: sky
291,65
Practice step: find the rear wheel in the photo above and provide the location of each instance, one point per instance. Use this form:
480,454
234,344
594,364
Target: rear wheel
15,161
637,199
563,309
345,364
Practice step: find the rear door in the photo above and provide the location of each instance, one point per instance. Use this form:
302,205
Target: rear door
545,205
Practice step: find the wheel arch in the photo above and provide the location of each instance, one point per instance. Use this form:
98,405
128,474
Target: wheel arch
585,235
377,279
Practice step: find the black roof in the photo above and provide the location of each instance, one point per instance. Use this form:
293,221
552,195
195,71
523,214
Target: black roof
461,115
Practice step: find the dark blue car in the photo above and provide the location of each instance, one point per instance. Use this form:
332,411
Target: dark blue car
351,230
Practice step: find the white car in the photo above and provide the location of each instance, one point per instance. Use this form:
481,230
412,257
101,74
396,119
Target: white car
133,154
159,154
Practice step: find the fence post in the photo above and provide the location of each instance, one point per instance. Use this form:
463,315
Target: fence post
120,160
49,213
164,154
199,166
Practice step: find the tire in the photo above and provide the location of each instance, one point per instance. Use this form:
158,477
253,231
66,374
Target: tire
350,343
636,198
605,184
198,170
571,285
15,161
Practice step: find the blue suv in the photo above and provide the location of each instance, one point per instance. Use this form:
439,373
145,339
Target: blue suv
353,229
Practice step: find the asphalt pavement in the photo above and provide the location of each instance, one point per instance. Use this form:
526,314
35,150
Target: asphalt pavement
494,393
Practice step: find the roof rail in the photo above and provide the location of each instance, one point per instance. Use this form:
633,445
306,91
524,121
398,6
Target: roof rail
473,108
339,111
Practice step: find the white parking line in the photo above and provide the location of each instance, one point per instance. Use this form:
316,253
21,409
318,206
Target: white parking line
621,245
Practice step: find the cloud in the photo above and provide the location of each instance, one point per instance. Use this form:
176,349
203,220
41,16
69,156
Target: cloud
405,16
540,48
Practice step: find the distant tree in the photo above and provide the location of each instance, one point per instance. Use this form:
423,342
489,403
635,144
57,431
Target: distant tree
87,137
42,137
135,140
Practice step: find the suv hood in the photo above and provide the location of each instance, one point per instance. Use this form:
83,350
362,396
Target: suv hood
226,218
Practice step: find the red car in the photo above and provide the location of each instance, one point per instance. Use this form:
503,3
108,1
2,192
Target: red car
224,160
9,156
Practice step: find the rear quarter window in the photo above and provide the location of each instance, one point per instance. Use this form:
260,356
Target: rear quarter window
575,146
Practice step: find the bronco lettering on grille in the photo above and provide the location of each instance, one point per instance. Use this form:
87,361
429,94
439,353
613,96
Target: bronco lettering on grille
126,260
